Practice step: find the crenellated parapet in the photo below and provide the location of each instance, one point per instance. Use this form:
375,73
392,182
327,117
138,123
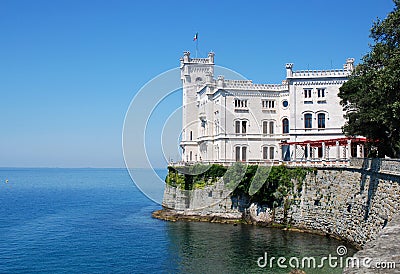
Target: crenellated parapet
321,73
348,68
186,59
249,85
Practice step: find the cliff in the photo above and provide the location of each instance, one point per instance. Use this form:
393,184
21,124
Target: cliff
353,203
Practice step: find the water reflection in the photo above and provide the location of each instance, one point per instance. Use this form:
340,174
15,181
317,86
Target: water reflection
224,248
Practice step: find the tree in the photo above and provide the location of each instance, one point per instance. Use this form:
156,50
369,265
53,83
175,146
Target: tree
371,96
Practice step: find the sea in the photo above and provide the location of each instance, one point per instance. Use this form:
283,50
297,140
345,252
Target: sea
58,220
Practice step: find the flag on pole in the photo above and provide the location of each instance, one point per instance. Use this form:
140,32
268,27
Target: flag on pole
196,36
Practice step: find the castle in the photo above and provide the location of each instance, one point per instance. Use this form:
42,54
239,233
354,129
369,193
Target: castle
226,121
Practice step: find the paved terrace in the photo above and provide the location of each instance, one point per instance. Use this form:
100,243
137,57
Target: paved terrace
385,166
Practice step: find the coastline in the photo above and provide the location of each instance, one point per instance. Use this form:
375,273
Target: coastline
171,215
352,204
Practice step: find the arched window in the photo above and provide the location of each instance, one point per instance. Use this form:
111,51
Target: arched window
244,126
237,126
271,153
268,127
237,154
308,120
321,120
271,127
268,153
240,151
244,152
265,153
265,127
285,126
240,126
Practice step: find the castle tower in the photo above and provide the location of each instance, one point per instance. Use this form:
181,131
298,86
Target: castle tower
195,72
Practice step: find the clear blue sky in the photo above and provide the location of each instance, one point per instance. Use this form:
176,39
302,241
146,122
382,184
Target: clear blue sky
69,69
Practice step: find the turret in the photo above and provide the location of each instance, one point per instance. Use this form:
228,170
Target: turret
211,57
349,64
289,71
220,81
186,57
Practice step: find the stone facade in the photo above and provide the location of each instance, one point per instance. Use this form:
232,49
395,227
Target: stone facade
352,203
197,199
237,120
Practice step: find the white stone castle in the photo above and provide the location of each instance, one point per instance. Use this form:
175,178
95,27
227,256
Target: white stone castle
227,121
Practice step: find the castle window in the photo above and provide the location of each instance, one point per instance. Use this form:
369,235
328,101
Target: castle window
244,150
308,120
268,153
240,153
321,92
307,93
268,104
285,126
285,103
191,135
265,153
240,103
265,127
240,126
237,127
244,126
321,120
268,127
271,153
271,127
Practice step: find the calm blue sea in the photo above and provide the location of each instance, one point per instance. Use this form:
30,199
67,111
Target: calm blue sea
97,221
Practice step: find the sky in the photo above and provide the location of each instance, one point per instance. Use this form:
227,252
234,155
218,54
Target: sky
69,69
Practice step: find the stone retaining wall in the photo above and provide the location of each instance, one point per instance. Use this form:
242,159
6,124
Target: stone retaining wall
210,200
352,203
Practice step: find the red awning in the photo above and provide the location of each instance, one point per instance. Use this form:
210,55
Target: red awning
328,142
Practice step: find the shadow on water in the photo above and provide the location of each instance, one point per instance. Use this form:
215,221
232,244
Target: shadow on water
224,248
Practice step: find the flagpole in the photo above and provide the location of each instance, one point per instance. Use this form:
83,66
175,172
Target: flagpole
196,39
197,46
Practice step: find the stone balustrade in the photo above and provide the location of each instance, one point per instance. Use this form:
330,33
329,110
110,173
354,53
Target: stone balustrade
385,166
248,85
319,73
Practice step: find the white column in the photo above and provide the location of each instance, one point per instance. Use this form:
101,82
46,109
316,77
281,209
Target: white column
362,150
294,153
323,151
337,150
348,149
308,149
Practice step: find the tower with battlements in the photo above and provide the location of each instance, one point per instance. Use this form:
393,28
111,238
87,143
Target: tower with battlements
195,73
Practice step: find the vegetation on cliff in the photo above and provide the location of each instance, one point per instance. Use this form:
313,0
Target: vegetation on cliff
271,186
194,177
